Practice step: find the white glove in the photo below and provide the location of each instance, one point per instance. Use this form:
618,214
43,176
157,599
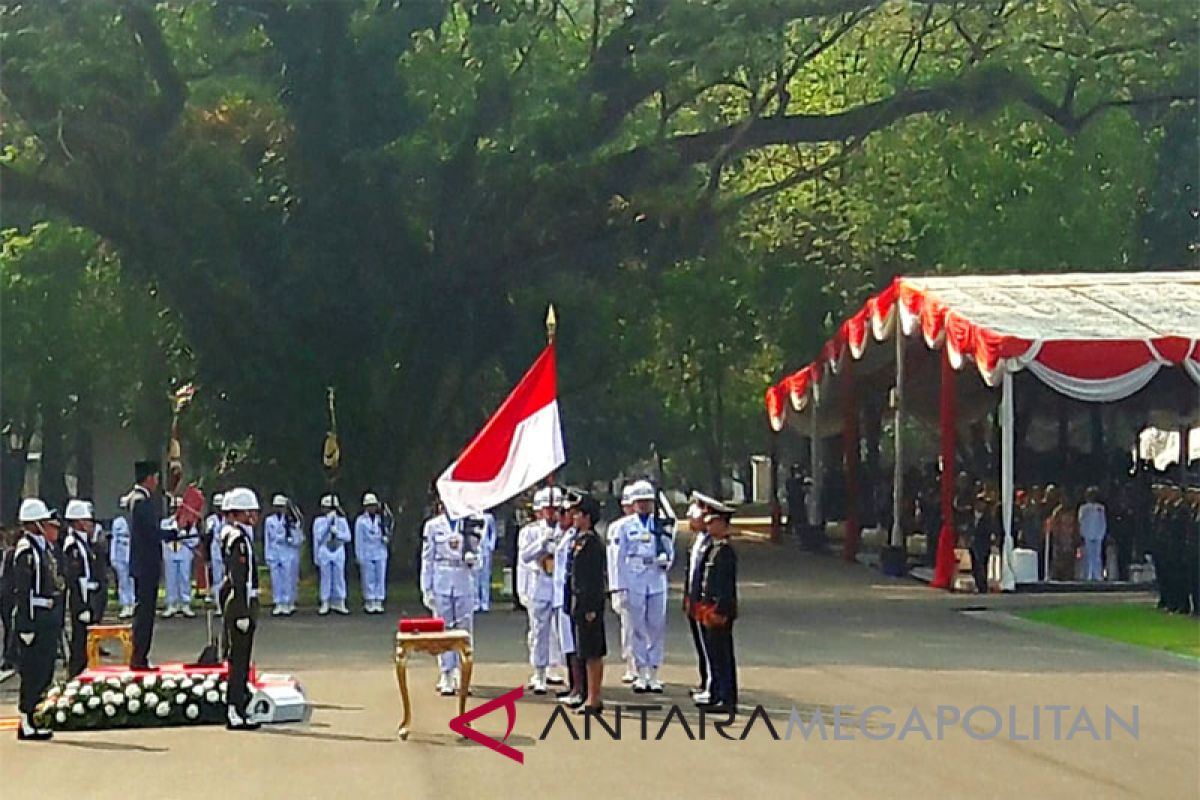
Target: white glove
243,624
27,638
85,617
427,601
618,600
662,559
470,559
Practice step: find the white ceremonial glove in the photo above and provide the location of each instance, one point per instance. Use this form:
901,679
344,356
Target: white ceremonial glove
27,638
662,560
85,617
427,601
470,559
243,624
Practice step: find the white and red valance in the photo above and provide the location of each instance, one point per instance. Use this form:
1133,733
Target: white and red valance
1093,337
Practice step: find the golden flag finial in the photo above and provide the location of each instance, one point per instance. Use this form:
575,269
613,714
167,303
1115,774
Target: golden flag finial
551,323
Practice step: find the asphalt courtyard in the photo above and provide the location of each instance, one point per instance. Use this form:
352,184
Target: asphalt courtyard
817,638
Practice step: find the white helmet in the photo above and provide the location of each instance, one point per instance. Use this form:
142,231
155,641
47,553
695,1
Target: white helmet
555,496
640,490
279,500
541,498
369,499
329,501
625,495
217,499
239,499
78,509
33,510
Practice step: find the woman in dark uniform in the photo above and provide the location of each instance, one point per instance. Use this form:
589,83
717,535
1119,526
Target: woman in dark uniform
586,599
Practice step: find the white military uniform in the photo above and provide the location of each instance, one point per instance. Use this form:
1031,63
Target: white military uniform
562,552
534,543
371,553
447,581
216,561
643,564
330,533
118,556
177,566
282,549
620,599
483,567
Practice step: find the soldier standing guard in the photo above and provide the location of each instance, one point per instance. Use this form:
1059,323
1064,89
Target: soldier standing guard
212,545
331,532
691,590
448,585
282,544
645,554
717,611
239,599
483,568
178,554
38,586
371,553
564,538
536,585
619,598
82,582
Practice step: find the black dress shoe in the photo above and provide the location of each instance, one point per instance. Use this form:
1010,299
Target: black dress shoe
584,709
717,708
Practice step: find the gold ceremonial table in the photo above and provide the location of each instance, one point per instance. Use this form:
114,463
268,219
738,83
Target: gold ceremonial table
435,644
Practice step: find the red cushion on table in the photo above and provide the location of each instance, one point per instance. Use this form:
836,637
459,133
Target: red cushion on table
422,625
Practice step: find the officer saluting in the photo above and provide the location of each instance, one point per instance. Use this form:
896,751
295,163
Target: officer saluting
239,600
82,581
717,609
448,584
38,588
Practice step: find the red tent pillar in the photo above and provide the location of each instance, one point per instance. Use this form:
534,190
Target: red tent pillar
946,564
850,446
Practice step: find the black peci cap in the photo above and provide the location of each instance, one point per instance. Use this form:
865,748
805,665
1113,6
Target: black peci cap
144,469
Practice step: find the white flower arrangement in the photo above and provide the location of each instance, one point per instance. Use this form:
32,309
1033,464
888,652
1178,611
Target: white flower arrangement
162,710
114,682
192,711
150,681
151,699
60,717
133,690
168,684
134,706
110,711
93,702
198,690
62,702
73,686
181,698
186,683
212,696
85,690
77,709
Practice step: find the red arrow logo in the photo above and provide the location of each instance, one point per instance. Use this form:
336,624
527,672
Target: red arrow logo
509,701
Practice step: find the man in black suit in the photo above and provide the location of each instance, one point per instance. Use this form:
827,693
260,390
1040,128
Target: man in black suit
145,557
984,531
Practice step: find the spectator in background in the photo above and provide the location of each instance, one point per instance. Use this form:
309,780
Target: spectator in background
1061,529
984,532
1093,528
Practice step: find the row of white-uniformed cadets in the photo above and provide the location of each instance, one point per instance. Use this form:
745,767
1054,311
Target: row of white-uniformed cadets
282,543
641,551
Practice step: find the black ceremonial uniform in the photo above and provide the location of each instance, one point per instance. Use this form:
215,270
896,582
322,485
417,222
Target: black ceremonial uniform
587,592
718,592
39,593
691,599
82,586
8,605
239,601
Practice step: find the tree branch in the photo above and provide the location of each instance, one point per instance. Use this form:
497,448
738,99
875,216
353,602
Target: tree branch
172,91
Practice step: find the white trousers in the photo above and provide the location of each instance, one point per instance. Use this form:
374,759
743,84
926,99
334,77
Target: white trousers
333,579
556,651
218,575
648,614
279,569
620,603
540,613
458,610
124,584
483,583
566,633
178,573
374,579
1093,559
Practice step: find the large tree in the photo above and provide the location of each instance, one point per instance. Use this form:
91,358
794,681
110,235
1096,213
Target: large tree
382,196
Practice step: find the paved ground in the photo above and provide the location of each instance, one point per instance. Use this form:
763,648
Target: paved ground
816,634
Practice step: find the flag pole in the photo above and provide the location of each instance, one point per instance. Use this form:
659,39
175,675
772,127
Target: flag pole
551,336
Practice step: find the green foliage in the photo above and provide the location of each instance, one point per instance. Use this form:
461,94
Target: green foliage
383,197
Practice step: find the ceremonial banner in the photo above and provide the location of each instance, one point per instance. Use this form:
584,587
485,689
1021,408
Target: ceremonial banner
520,445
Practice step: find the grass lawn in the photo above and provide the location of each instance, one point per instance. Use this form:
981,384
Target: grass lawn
1133,623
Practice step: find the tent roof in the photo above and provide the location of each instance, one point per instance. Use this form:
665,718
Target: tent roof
1095,337
1104,306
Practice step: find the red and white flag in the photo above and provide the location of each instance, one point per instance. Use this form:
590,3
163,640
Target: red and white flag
521,444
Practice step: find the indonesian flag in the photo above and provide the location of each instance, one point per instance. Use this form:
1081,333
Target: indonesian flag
521,444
